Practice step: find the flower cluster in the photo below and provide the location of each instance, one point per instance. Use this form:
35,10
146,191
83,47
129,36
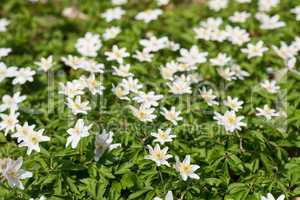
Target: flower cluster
207,90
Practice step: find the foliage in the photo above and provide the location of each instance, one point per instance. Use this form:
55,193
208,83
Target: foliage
269,163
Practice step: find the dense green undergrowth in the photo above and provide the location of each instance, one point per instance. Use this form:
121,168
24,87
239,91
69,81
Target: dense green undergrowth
262,157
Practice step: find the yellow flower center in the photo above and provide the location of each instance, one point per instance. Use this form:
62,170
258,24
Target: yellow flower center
158,155
185,168
163,135
231,120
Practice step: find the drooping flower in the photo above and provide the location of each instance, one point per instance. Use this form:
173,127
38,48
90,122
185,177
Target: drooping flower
13,173
104,143
267,112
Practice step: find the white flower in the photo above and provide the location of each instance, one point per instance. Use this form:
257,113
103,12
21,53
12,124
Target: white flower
212,23
11,103
169,196
271,197
226,73
4,52
244,1
23,75
143,113
256,50
148,99
113,13
173,46
73,13
238,72
208,96
22,132
91,66
181,85
193,56
122,70
270,86
3,163
195,77
233,103
296,43
148,15
239,17
290,63
72,61
267,5
131,84
45,63
159,156
32,140
6,71
162,2
14,174
217,5
267,112
3,24
269,22
41,198
163,136
143,56
285,51
185,169
93,85
88,45
183,67
230,121
9,121
236,35
103,143
72,89
117,54
203,33
75,134
120,92
221,60
154,44
296,11
171,115
111,33
77,106
118,2
169,70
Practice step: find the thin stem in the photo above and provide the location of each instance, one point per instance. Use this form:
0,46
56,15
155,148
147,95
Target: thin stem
160,176
241,142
